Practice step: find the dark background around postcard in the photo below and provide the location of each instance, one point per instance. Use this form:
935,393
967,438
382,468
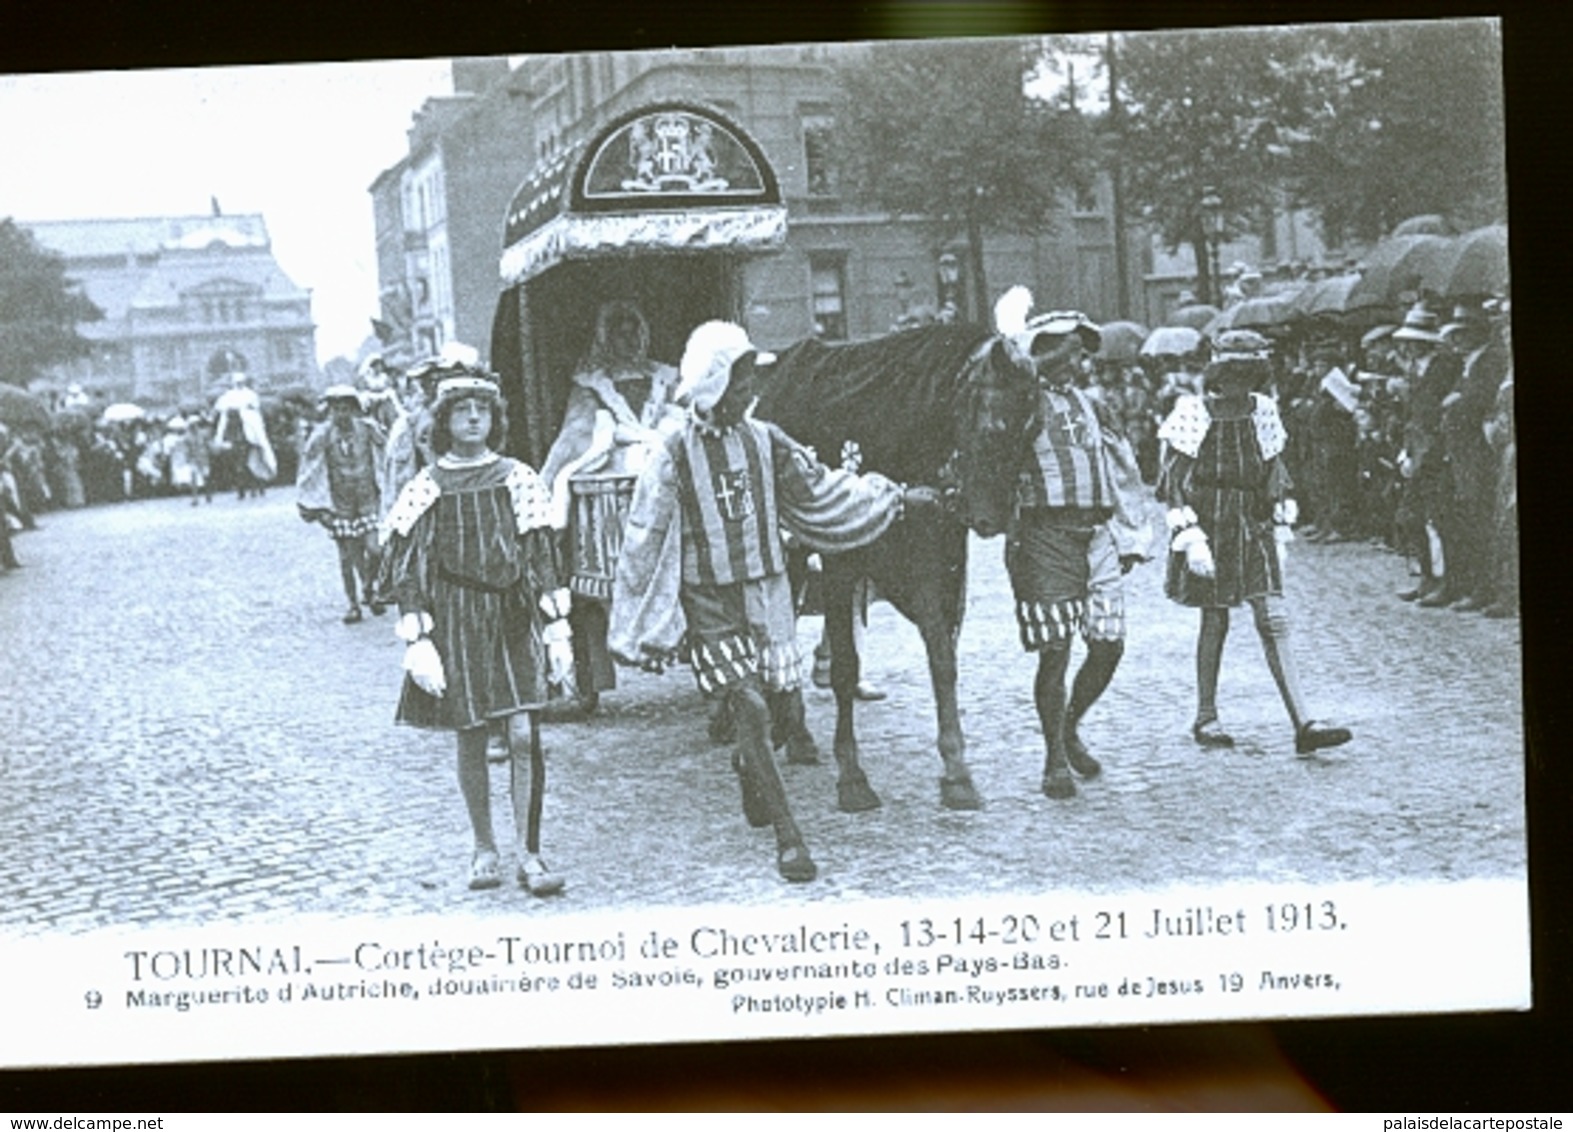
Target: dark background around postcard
1469,1063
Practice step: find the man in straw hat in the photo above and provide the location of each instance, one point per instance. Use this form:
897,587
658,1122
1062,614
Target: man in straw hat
1432,371
1470,461
704,526
1078,532
340,485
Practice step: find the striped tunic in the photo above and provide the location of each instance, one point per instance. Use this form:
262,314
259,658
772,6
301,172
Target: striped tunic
1231,486
731,529
465,560
1067,466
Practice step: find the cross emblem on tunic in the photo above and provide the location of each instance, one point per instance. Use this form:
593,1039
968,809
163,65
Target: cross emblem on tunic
1073,427
732,495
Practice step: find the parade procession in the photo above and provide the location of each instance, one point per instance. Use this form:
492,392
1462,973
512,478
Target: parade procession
753,480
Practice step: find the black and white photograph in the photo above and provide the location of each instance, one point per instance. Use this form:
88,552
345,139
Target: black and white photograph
885,537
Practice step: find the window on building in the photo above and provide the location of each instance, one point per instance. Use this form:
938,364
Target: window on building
818,157
829,276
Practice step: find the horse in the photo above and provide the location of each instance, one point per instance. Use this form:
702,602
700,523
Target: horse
949,406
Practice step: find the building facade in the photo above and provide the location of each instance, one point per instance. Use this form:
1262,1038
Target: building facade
843,271
186,301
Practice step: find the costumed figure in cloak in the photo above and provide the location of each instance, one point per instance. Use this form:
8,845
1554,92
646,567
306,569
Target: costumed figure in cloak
703,553
341,486
409,437
470,559
375,382
240,435
1229,518
1078,529
620,407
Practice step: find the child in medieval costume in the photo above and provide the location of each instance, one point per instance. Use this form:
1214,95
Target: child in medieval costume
620,408
1229,513
470,560
704,537
340,486
1078,530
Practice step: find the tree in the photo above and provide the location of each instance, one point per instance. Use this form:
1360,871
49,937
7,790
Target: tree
1414,126
1210,110
945,132
40,308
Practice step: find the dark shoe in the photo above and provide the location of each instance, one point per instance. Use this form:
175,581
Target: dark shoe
1081,759
794,864
1436,599
1315,736
1410,595
537,879
1209,733
352,616
377,608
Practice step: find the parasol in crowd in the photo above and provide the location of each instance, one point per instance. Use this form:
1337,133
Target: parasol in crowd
1475,264
1195,315
1171,341
121,412
21,409
1394,270
1264,312
1429,224
1122,341
1327,296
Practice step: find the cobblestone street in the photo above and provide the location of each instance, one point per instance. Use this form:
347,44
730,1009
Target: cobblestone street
190,735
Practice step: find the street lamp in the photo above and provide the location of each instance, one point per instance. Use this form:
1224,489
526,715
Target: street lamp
1212,224
949,268
903,285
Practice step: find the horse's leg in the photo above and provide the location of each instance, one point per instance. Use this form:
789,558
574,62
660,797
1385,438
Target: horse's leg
764,798
956,791
853,793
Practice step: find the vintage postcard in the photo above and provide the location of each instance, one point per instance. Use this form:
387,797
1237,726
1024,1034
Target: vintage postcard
778,541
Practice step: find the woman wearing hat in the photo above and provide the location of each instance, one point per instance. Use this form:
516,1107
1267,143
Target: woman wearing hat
340,486
705,525
1226,489
470,561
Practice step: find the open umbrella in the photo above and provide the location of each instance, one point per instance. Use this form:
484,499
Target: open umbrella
1396,267
21,409
1325,296
1197,316
1429,224
1122,341
1171,342
1475,264
121,412
1264,312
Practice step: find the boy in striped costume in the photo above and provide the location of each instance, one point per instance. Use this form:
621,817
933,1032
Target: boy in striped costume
709,509
1078,531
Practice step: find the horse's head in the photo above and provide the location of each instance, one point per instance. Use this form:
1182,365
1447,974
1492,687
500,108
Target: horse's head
998,404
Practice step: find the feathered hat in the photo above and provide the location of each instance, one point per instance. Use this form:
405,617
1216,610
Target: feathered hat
1013,318
706,369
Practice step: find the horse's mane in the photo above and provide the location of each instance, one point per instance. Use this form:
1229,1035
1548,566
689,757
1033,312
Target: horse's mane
894,397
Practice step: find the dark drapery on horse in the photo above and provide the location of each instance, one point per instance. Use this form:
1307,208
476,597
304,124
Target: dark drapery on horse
947,406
